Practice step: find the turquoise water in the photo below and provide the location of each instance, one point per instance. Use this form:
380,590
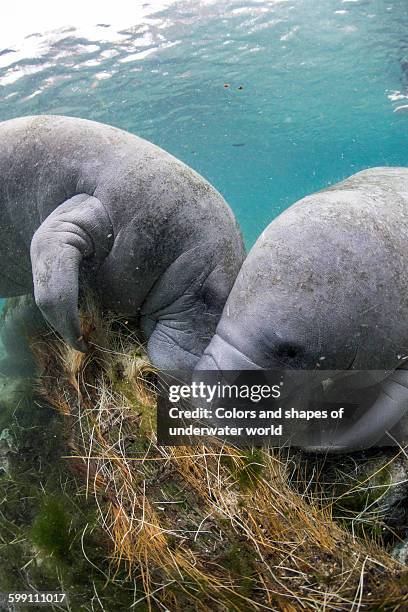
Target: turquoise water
314,89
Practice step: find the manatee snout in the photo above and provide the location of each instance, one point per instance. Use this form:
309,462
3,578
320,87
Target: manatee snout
221,358
222,355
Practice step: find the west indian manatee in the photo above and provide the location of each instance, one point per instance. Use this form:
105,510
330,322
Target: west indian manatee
85,204
325,288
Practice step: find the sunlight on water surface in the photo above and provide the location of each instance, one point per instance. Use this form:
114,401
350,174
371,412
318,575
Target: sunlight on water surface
269,100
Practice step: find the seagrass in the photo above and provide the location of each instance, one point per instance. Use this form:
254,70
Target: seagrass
205,527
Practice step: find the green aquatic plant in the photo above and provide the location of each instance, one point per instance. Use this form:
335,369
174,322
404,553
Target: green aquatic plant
50,531
248,469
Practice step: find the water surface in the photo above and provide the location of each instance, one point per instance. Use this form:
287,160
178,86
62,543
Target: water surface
269,100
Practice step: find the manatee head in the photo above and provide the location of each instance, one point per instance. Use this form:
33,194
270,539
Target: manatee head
314,294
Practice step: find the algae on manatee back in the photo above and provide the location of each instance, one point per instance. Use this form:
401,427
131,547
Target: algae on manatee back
195,528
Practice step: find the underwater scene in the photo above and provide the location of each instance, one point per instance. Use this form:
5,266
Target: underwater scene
171,245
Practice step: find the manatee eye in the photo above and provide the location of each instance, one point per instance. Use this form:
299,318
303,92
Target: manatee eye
289,350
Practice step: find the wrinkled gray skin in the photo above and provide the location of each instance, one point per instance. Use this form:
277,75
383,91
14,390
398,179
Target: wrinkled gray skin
83,203
326,288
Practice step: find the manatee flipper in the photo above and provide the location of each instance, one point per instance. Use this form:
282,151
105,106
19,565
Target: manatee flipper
79,228
388,409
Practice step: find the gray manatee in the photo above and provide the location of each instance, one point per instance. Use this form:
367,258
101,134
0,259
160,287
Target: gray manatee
325,287
86,204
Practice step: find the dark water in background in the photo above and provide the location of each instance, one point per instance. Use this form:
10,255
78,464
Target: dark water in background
313,90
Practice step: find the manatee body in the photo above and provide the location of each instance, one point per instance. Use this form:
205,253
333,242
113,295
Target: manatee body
86,204
325,287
